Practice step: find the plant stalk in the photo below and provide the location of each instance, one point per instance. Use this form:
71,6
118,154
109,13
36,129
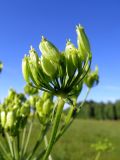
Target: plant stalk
55,127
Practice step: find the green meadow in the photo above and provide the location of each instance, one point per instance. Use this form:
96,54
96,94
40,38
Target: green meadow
76,142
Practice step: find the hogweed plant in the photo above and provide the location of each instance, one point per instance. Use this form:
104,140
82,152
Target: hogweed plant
60,77
102,146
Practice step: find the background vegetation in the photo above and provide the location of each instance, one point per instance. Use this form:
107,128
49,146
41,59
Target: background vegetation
100,111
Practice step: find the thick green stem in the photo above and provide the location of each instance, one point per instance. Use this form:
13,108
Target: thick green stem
28,138
69,118
68,122
10,144
15,149
22,144
4,153
55,127
18,144
46,144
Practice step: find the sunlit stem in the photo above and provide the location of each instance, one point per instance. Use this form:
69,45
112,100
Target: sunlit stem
28,138
5,153
68,124
15,149
69,119
55,127
46,144
23,141
18,144
10,144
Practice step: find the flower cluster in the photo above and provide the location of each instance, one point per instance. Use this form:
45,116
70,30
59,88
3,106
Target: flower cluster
17,116
29,90
57,72
60,74
44,107
14,113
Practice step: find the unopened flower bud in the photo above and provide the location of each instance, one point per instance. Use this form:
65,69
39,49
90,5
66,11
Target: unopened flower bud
47,107
49,51
73,52
32,100
30,90
34,73
25,110
82,53
70,48
46,95
25,69
33,56
48,67
39,106
3,118
10,119
92,78
11,94
70,66
82,39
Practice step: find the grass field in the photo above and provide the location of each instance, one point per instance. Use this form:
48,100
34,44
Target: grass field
76,142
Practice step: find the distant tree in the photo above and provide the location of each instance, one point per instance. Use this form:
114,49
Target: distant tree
115,117
92,110
102,107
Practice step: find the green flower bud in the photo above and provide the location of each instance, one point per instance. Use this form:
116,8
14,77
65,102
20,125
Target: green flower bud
28,89
70,66
11,94
92,78
10,119
32,100
49,51
48,67
39,107
73,52
3,118
82,39
16,106
33,56
34,73
25,110
82,53
46,95
70,48
76,60
25,69
47,107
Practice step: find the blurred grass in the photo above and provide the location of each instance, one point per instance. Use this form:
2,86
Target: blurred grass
76,142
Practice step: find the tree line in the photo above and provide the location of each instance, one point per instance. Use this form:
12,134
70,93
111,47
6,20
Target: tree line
100,111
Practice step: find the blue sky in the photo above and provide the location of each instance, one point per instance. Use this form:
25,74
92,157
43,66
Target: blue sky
23,22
